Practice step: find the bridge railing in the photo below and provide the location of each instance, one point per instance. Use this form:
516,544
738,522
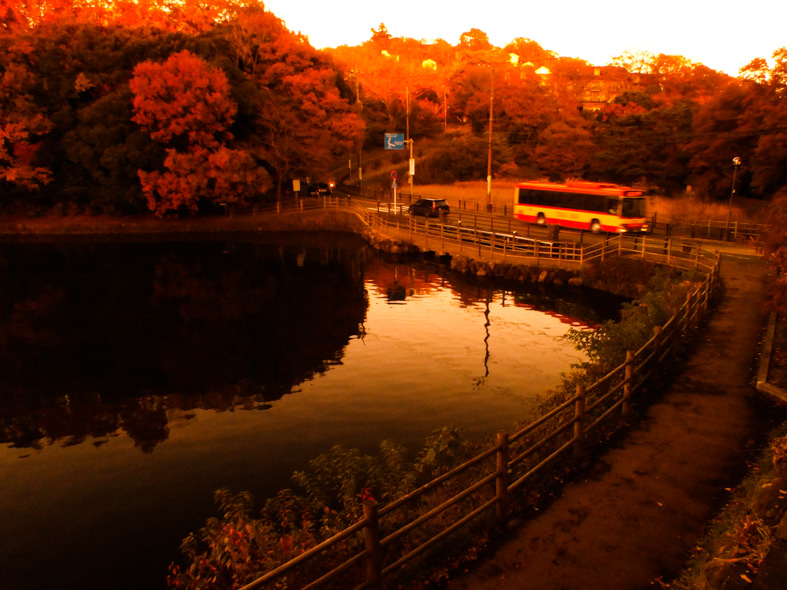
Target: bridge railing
499,242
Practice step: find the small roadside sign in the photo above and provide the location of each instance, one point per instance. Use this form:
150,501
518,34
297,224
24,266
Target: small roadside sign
393,174
394,141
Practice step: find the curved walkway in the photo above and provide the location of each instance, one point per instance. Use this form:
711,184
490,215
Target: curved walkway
636,515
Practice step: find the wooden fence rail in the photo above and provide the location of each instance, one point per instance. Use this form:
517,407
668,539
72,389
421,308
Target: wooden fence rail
389,536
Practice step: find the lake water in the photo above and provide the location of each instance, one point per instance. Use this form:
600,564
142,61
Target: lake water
137,378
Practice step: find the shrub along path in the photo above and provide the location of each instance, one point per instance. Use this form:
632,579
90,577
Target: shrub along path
634,518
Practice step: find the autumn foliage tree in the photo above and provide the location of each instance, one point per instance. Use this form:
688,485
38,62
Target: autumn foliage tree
746,119
183,101
775,251
185,104
303,121
22,122
227,96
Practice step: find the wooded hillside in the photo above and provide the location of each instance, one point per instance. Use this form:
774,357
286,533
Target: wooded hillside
124,107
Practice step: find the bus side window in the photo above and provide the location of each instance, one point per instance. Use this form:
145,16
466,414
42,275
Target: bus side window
613,206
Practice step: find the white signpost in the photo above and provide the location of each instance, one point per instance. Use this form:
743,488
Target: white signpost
393,186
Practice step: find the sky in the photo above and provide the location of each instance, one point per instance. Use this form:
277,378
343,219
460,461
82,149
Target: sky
724,36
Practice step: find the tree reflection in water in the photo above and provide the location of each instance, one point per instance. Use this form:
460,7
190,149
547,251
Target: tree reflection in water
103,337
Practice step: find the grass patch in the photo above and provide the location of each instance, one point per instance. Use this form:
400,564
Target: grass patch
740,537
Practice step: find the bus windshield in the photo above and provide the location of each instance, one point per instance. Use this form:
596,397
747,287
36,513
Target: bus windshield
633,207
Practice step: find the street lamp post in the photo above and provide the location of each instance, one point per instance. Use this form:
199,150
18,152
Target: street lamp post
736,163
489,160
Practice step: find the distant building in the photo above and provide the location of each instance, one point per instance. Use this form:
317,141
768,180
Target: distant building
606,85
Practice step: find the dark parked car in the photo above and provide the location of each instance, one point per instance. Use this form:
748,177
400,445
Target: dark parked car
429,207
318,189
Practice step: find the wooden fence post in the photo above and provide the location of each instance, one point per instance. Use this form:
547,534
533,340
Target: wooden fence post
627,383
657,344
687,318
579,418
501,483
374,560
705,297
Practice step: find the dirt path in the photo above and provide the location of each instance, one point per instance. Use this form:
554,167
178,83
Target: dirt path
636,515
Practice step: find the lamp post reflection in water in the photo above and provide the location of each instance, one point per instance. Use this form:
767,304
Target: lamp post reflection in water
487,323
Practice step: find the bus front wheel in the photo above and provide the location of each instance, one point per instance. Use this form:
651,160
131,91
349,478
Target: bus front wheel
595,226
541,220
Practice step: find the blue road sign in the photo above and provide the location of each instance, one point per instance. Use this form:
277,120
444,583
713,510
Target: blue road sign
394,141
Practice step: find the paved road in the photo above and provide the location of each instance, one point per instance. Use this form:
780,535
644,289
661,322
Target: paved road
635,517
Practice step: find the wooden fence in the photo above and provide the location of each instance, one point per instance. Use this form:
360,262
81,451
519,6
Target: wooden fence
478,492
708,229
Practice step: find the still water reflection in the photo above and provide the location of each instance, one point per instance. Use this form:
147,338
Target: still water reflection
137,378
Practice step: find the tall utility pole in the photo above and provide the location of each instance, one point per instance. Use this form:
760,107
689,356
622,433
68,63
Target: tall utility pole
407,111
445,112
412,169
354,73
410,141
489,162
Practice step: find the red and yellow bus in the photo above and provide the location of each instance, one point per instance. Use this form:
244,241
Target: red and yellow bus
582,205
